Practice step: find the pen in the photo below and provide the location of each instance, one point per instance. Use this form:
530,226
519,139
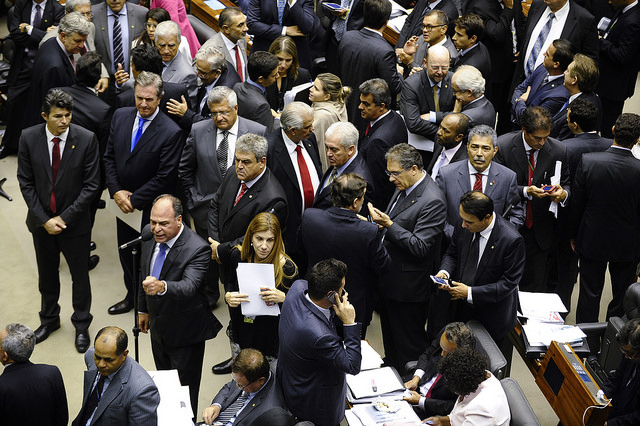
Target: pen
373,385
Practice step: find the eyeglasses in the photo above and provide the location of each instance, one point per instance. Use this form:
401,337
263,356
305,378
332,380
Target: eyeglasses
630,355
214,114
439,68
430,27
242,388
396,174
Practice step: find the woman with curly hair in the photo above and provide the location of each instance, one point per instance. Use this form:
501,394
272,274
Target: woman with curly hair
481,399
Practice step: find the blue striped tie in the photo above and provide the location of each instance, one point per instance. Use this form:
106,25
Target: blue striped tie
537,47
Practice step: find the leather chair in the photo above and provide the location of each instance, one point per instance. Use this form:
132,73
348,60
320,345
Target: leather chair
521,412
202,30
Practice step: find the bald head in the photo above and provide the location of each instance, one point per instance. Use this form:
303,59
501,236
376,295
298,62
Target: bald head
437,63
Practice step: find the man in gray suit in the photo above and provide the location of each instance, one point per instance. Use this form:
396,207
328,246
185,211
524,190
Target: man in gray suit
117,390
177,68
480,174
468,89
252,389
232,39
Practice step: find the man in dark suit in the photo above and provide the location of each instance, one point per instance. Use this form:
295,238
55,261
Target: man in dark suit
580,79
545,86
418,105
414,221
262,68
141,162
267,22
117,390
252,389
386,129
313,359
25,387
533,156
413,24
605,217
27,26
336,23
480,174
469,30
468,88
451,143
231,41
58,172
294,160
378,59
340,233
171,301
484,264
430,394
55,62
619,61
341,141
624,383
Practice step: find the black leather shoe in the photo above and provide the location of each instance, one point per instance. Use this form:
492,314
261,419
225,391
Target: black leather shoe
102,204
82,340
223,368
93,261
92,246
44,331
5,152
122,307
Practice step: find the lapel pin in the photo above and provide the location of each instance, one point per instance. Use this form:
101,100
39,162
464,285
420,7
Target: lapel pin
73,147
250,196
492,182
492,247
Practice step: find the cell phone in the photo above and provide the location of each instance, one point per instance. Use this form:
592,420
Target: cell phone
332,6
548,188
332,297
440,281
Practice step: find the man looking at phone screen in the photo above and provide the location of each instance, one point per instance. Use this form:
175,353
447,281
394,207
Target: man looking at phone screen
313,360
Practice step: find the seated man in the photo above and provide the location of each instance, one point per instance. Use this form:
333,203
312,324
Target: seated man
468,89
250,393
623,385
429,393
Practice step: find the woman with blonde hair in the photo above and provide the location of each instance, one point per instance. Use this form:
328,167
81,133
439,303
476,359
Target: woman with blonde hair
262,244
290,73
328,98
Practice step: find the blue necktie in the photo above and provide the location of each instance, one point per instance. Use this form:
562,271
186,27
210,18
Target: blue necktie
157,265
138,134
537,47
281,4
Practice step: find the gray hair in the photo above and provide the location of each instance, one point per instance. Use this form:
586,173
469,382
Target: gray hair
484,131
146,79
405,155
460,334
292,116
74,22
168,28
250,142
469,78
213,56
70,5
220,93
19,342
348,133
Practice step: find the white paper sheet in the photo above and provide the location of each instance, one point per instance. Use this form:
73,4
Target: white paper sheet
555,180
537,302
385,380
290,95
370,358
175,402
252,277
133,219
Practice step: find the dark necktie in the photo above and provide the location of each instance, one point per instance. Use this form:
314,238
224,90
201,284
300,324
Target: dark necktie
118,53
239,63
157,265
55,166
243,189
532,167
94,399
305,177
477,186
202,93
333,175
138,134
233,409
38,18
470,266
399,200
537,46
221,152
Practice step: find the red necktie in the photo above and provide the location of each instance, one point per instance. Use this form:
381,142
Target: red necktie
532,166
307,186
55,165
477,186
366,132
239,63
243,189
438,377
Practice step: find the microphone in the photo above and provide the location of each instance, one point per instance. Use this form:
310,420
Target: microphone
512,204
146,235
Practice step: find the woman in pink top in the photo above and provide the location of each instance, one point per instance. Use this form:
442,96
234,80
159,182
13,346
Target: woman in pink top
179,14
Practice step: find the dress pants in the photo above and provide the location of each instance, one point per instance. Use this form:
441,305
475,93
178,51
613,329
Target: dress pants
126,234
537,265
75,249
403,331
186,359
611,110
564,272
622,274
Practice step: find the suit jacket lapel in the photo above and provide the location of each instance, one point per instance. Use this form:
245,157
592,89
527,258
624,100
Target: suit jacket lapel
488,249
147,137
492,177
113,390
173,254
67,154
542,162
287,166
410,199
520,155
212,148
464,180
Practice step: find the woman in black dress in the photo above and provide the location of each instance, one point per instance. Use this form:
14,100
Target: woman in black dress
290,74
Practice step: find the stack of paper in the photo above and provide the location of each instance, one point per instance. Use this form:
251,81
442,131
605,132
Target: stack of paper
541,334
542,307
369,385
175,402
366,415
370,358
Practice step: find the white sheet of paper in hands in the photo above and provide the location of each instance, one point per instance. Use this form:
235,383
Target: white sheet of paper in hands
252,277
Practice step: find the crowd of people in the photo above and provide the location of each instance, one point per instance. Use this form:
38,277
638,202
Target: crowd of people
486,152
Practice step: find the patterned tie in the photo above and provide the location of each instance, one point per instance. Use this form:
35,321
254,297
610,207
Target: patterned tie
305,177
537,46
55,165
340,23
157,265
233,409
138,134
38,18
333,175
239,63
243,189
281,4
477,186
221,152
118,54
436,97
93,400
532,167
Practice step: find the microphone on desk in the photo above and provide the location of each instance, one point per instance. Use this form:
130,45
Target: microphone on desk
512,204
146,235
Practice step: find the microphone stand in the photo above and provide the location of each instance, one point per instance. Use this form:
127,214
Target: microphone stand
135,276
